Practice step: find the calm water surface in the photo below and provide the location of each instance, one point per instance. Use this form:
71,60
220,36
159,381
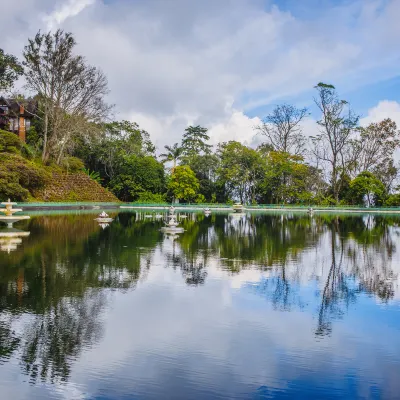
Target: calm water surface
236,307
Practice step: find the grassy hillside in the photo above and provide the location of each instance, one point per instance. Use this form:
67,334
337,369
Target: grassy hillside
23,178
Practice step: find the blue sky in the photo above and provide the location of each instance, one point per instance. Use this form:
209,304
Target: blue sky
224,64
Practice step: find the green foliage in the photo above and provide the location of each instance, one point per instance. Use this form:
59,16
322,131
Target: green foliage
393,200
285,179
93,175
137,175
194,142
173,154
240,170
20,177
200,199
367,186
10,70
183,183
148,197
72,164
205,167
10,142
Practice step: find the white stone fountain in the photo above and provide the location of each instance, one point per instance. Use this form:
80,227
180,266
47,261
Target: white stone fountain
172,225
11,238
104,218
238,208
9,218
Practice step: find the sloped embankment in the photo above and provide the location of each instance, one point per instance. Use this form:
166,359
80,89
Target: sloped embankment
73,187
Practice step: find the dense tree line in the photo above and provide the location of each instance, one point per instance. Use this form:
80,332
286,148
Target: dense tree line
343,164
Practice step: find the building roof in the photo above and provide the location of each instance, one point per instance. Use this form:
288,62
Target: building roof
30,106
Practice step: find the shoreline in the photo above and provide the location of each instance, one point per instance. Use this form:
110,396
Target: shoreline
224,208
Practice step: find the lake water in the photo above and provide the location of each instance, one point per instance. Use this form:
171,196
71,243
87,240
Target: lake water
256,306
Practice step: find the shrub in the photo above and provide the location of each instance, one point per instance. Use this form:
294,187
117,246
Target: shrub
12,190
93,175
10,142
73,164
148,197
200,199
19,176
393,200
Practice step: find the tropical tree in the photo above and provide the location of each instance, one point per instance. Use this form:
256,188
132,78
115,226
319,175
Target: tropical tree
194,142
183,183
283,130
174,154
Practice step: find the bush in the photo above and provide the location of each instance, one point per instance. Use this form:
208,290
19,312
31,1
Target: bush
148,197
12,190
73,164
200,199
393,200
20,177
9,142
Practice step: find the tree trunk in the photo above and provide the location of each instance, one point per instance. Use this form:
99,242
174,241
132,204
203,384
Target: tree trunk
45,135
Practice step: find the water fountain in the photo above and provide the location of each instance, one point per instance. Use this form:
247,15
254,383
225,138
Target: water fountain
103,218
238,207
9,218
10,239
172,225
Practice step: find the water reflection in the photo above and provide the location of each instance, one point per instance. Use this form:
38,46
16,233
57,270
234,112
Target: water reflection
11,238
56,289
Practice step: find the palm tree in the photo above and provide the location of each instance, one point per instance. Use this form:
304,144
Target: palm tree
173,154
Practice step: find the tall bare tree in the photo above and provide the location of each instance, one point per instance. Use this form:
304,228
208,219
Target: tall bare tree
70,92
337,125
283,129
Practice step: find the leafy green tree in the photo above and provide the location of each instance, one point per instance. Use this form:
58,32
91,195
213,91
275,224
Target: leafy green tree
137,177
10,70
285,178
367,186
240,171
108,152
183,183
174,154
205,167
194,142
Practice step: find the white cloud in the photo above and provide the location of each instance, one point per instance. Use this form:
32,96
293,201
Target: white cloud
384,109
179,62
69,9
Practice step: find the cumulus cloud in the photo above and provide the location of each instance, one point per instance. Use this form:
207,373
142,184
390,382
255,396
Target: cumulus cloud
172,63
384,109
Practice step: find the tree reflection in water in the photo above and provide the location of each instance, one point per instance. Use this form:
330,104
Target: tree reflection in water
58,280
60,275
